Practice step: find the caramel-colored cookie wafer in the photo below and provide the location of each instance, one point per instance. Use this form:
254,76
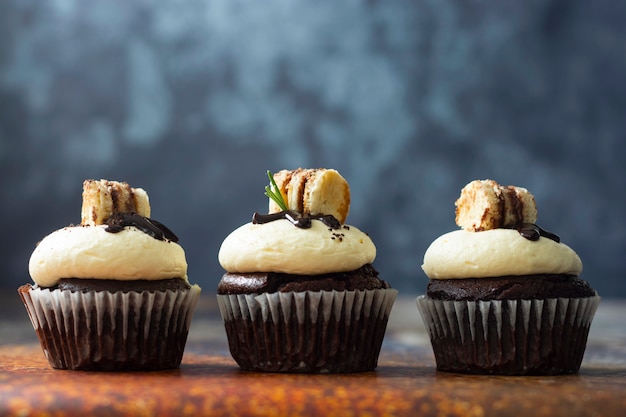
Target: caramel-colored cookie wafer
313,191
103,198
486,205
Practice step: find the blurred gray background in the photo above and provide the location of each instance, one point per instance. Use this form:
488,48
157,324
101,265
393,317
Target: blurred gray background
410,100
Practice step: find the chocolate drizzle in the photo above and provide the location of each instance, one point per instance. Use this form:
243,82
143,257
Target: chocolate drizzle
533,232
302,221
157,230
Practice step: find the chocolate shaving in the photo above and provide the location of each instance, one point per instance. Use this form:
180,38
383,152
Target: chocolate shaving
533,232
118,221
302,221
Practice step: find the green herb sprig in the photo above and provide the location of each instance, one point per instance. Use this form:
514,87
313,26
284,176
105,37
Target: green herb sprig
273,192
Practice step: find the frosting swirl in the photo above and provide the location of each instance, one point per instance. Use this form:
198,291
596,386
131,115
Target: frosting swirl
278,246
93,252
497,252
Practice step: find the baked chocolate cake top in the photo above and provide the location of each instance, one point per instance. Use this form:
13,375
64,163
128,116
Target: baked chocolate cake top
524,287
115,285
364,278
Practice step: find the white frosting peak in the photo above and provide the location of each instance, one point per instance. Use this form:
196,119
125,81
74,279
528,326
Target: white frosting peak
91,252
497,252
279,246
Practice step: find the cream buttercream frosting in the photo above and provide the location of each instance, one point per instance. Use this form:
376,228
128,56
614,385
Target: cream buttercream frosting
279,246
92,252
497,252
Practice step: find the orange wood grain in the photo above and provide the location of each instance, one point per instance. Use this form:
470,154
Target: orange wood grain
405,383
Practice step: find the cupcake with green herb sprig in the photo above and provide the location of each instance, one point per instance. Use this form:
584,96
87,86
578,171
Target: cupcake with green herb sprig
300,293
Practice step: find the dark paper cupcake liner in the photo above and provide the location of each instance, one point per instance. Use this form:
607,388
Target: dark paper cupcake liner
111,331
509,337
309,331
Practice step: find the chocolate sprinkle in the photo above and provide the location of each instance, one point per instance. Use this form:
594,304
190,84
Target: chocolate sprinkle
117,222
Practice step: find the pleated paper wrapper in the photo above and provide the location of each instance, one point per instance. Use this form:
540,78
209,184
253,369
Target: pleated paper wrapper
111,331
308,331
509,337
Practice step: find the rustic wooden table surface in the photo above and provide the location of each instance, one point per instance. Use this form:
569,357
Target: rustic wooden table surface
405,382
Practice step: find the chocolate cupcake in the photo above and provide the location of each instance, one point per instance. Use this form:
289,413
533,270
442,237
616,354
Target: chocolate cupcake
112,293
504,296
300,293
